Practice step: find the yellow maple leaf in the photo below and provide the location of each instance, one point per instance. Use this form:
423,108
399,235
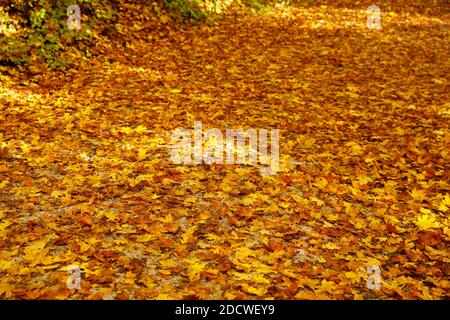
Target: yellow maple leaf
145,238
142,154
284,205
327,287
129,278
35,251
6,288
84,156
332,217
25,147
351,275
260,291
126,130
111,215
164,296
445,203
3,183
331,246
3,226
321,183
418,194
297,198
148,281
356,148
233,69
188,236
167,264
212,237
305,295
426,221
140,129
196,267
253,277
446,200
443,207
164,19
167,219
5,265
248,200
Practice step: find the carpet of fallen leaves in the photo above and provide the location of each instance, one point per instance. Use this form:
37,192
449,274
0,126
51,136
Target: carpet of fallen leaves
86,177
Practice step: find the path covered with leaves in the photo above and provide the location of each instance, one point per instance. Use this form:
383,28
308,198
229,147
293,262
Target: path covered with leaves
86,177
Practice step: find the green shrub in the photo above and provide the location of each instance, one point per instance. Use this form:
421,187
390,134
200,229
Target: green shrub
186,9
37,29
196,10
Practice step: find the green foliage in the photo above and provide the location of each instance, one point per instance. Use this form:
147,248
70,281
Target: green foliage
195,10
36,30
187,9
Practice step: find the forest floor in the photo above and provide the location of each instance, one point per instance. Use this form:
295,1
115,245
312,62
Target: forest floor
358,209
